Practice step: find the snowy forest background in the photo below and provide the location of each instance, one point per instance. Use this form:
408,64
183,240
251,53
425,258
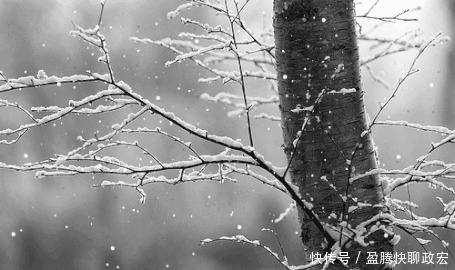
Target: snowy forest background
64,223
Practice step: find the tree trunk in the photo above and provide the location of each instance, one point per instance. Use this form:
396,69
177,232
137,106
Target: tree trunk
317,54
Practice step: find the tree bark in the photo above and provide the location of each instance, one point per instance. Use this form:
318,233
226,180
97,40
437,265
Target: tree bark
317,54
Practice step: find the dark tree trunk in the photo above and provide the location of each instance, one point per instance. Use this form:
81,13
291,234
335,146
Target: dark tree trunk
317,53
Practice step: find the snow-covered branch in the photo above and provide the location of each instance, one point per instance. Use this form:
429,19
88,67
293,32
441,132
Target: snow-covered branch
242,239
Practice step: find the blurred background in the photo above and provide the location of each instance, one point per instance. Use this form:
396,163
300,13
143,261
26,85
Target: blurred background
65,223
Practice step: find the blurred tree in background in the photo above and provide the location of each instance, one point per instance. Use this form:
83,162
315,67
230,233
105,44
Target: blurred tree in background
63,223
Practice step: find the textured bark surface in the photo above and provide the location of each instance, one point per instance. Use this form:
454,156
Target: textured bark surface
316,50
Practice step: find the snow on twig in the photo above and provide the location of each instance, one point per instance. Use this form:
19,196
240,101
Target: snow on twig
436,129
242,239
31,81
